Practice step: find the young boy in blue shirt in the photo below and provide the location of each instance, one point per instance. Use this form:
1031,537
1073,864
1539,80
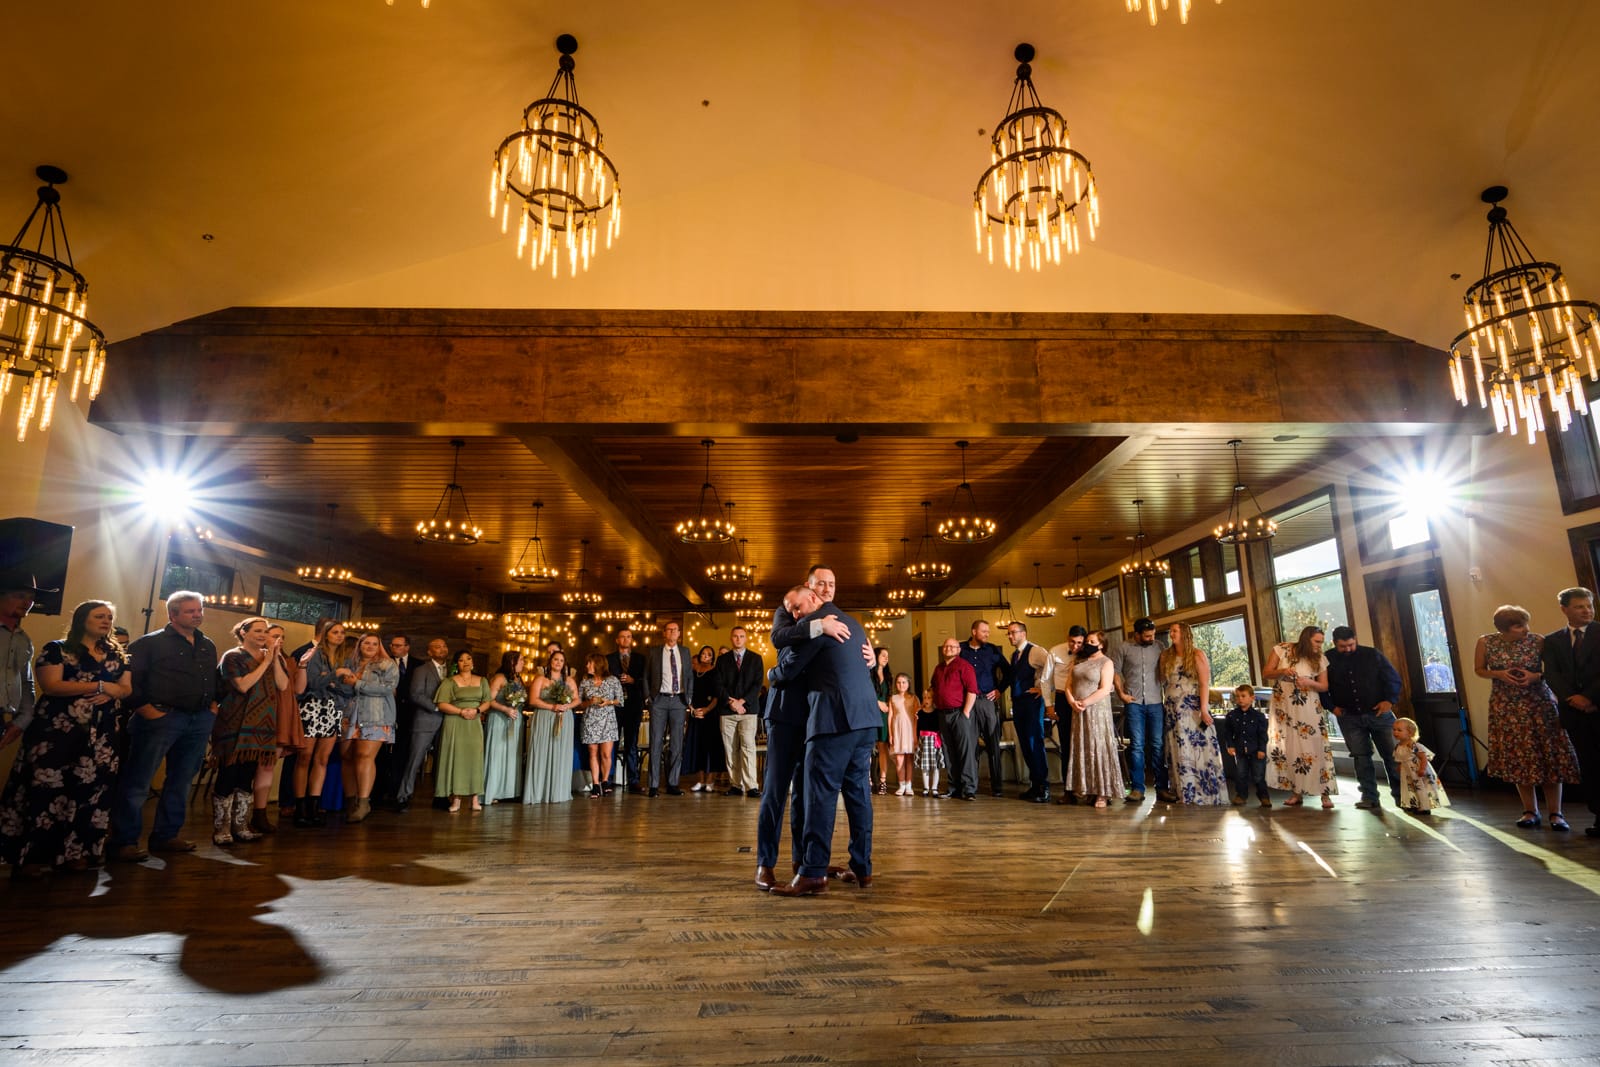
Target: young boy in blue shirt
1247,744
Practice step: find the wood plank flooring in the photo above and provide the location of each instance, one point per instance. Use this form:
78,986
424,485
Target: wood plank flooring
627,931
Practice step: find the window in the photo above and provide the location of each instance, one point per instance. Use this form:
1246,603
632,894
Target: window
1391,509
1576,458
208,579
1438,666
1111,607
1223,641
1307,573
297,603
1197,579
1230,569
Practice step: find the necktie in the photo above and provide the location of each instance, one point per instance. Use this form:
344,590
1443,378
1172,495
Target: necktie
1577,640
738,659
672,654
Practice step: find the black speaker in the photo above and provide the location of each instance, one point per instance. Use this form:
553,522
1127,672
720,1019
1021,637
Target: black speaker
41,549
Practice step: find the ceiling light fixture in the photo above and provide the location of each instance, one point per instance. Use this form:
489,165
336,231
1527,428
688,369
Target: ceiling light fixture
1238,530
413,599
555,175
450,525
535,571
704,530
582,596
923,566
733,570
1143,564
1006,617
1512,366
1134,7
965,527
1038,607
890,613
468,615
43,314
1080,589
1035,183
327,572
905,594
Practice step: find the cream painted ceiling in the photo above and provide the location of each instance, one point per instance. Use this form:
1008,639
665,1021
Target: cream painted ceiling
1266,157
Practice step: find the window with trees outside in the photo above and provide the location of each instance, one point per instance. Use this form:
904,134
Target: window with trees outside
1307,571
296,603
1224,643
209,579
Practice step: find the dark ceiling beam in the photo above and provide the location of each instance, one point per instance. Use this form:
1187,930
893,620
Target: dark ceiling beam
580,464
967,374
1052,491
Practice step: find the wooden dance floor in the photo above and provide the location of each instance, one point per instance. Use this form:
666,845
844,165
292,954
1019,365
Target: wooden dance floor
628,931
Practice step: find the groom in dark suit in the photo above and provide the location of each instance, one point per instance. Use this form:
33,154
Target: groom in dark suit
841,730
1572,669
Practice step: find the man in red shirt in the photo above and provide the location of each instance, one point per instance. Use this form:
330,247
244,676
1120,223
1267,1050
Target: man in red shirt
952,692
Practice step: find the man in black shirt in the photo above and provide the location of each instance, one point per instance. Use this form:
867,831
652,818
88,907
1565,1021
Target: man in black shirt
174,706
1362,689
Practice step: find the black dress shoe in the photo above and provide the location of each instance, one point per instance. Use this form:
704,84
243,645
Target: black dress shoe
752,793
655,792
401,808
735,791
997,792
947,796
672,791
1592,831
636,789
1041,798
802,887
969,796
765,879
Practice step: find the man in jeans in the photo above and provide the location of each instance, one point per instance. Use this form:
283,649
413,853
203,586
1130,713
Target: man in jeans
1138,682
174,705
1362,689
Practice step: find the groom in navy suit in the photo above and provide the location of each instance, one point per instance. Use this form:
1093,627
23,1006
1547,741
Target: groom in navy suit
1572,669
841,731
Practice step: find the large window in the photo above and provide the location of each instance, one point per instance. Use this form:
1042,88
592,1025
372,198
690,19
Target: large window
297,603
1111,607
1223,641
209,579
1307,572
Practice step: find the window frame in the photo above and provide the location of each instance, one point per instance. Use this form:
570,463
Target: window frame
340,602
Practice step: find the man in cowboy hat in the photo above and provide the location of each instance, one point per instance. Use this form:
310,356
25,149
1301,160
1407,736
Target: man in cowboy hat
17,594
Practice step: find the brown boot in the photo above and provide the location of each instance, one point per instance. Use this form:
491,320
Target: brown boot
358,810
260,823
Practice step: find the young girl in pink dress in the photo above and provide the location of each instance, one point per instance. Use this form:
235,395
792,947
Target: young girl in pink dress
903,708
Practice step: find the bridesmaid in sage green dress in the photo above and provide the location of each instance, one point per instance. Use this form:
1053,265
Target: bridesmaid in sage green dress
502,730
550,735
461,698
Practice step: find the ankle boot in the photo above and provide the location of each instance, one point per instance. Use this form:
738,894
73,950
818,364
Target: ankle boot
315,813
260,823
357,809
241,818
302,812
222,820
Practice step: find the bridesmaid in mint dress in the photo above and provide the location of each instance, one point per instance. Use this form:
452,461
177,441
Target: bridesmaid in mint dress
502,730
461,698
550,735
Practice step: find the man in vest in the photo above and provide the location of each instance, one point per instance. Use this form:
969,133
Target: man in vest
1027,709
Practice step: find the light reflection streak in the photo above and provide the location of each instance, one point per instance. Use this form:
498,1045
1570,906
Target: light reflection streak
1308,850
1560,866
1237,837
1063,888
1430,831
1147,912
1295,843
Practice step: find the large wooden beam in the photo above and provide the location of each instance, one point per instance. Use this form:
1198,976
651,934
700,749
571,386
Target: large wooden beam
578,463
1052,491
403,371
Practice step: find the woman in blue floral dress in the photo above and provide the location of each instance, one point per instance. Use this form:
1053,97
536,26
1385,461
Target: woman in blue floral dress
1195,756
56,810
1299,752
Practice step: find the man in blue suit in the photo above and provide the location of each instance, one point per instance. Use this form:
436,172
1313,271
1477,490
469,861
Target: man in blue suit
841,730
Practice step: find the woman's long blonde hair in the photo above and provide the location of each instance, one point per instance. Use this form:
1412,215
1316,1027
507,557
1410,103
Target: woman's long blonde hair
1183,648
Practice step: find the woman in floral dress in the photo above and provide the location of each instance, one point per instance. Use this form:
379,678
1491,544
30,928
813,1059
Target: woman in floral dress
56,809
602,696
1299,752
1194,756
502,731
1527,746
548,779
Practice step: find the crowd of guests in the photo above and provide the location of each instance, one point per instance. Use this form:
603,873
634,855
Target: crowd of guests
96,718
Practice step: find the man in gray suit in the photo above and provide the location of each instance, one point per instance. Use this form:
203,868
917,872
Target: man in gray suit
426,718
841,731
668,693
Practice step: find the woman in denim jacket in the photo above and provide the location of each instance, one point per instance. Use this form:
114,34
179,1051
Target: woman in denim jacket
368,725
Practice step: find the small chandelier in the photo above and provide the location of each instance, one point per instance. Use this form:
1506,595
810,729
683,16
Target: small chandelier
450,524
582,596
362,626
1143,564
905,594
734,570
875,624
965,526
561,181
1150,5
923,567
520,624
742,596
891,613
535,571
1080,589
468,615
703,530
1035,183
44,313
1038,607
760,625
412,599
1238,530
326,572
1006,617
1548,358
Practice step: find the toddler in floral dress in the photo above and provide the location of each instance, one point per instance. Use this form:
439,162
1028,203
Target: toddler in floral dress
1420,791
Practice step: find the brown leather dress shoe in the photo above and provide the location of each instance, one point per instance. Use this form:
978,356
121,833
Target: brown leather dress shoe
172,844
765,878
802,887
852,878
836,872
129,854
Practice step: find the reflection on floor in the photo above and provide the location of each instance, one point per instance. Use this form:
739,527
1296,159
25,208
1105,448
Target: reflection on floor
627,930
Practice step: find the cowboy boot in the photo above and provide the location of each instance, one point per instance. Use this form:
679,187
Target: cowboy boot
241,817
222,820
